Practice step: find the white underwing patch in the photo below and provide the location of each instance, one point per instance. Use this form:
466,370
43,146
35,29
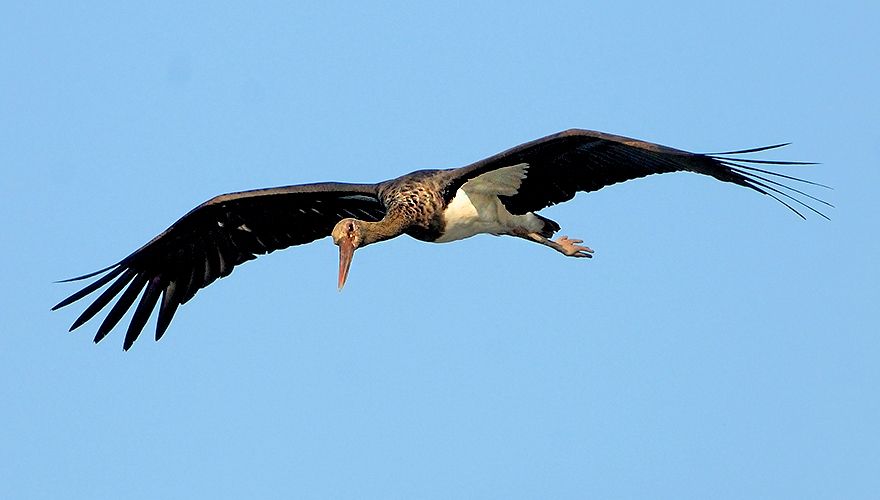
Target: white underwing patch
503,181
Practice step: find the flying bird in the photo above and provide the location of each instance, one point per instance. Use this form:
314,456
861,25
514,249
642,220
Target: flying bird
499,195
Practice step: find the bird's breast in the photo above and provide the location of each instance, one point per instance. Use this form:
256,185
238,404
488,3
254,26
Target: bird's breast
419,204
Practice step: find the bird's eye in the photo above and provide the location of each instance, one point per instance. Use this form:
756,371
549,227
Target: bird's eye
351,226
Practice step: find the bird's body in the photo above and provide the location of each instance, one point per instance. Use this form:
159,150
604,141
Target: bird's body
499,195
418,200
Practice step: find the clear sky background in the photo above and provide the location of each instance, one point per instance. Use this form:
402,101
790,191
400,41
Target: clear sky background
717,346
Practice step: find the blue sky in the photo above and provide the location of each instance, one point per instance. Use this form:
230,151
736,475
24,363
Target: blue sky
716,347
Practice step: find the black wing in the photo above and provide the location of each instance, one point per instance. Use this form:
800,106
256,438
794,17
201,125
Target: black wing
208,242
562,164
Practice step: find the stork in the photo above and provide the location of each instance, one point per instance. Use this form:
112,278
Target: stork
499,195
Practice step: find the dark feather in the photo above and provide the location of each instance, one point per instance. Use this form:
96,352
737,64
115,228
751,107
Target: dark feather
208,242
170,301
118,310
143,310
102,299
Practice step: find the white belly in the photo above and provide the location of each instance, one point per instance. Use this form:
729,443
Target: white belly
469,214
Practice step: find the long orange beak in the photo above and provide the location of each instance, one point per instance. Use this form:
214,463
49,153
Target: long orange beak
346,252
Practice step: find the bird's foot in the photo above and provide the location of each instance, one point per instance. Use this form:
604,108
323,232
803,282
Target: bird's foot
572,249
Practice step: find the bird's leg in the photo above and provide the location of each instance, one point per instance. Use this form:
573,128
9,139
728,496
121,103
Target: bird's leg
562,245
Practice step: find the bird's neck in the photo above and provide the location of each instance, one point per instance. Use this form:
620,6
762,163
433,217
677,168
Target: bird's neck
389,227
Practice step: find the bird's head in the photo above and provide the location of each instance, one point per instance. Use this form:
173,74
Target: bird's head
348,235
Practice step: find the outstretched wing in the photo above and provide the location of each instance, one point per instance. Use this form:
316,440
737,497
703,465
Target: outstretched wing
208,242
575,160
